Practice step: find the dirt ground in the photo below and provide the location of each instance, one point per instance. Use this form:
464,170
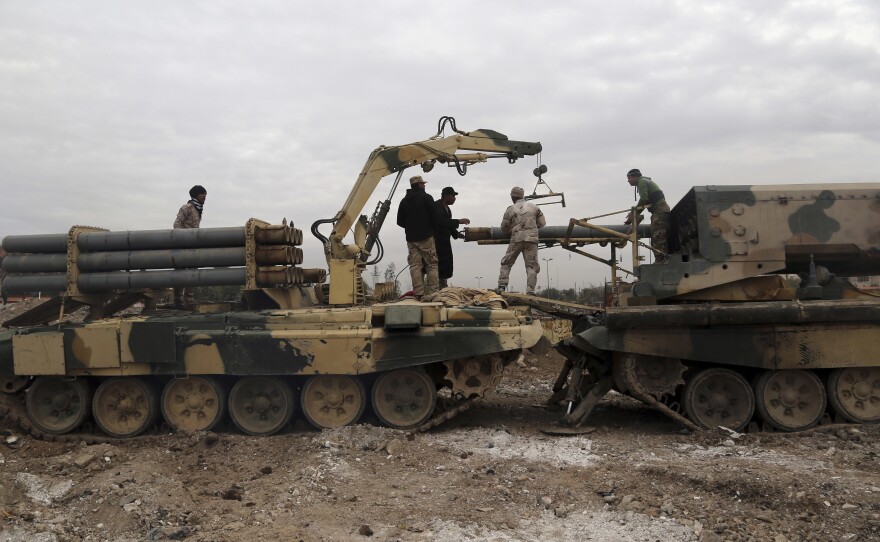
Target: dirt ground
488,475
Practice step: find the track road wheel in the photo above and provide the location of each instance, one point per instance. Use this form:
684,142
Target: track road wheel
790,399
331,401
125,406
716,396
404,398
197,403
58,405
261,405
854,392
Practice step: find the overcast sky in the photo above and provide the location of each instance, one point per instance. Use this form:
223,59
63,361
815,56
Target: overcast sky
110,111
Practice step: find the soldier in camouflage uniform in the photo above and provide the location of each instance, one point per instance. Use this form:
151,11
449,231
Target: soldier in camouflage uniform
189,216
652,198
521,220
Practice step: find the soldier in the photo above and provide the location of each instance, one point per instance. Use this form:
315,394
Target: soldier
189,216
521,220
444,234
419,218
651,197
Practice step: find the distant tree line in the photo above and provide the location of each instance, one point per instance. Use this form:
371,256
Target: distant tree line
591,295
217,294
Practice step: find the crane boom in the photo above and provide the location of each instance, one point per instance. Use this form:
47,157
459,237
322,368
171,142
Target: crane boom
482,144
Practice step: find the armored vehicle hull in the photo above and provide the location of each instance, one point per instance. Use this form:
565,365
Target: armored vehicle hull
790,365
725,333
325,349
330,364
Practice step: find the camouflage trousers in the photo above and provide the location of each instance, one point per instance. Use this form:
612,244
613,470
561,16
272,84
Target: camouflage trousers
659,230
184,296
422,260
529,251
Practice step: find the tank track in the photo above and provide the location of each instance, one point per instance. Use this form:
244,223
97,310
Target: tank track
448,412
453,407
640,393
12,407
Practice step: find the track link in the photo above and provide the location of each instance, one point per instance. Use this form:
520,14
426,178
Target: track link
12,407
447,414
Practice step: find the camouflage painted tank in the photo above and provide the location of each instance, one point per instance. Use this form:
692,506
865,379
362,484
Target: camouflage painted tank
261,366
725,333
292,343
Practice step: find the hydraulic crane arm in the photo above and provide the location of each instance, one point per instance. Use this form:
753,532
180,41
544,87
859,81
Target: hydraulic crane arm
387,160
482,144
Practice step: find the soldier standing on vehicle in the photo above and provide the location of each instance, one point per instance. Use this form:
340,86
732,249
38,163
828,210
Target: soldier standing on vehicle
444,234
418,218
521,220
652,198
189,216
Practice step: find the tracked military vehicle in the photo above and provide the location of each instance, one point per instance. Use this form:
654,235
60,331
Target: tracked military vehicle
292,343
756,318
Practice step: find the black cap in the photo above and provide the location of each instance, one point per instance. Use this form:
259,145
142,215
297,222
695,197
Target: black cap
634,173
448,191
196,190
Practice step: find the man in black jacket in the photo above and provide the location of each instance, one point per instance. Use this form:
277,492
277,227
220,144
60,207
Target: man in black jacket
444,234
419,218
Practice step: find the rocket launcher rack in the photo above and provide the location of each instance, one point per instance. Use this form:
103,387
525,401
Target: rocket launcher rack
109,271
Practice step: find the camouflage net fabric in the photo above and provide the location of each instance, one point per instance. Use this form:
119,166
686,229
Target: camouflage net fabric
454,296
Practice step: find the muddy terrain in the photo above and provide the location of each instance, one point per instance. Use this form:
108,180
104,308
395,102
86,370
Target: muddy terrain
490,474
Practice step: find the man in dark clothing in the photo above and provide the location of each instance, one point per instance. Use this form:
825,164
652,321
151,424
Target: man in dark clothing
419,218
444,234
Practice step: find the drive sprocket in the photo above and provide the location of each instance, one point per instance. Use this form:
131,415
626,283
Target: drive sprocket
475,376
654,375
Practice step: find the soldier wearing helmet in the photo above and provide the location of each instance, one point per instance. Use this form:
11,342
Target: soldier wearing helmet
652,198
521,220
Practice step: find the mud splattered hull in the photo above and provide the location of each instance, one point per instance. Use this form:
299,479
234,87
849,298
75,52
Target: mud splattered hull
261,367
782,365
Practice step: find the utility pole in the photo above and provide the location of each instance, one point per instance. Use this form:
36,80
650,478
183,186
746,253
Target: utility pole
547,263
